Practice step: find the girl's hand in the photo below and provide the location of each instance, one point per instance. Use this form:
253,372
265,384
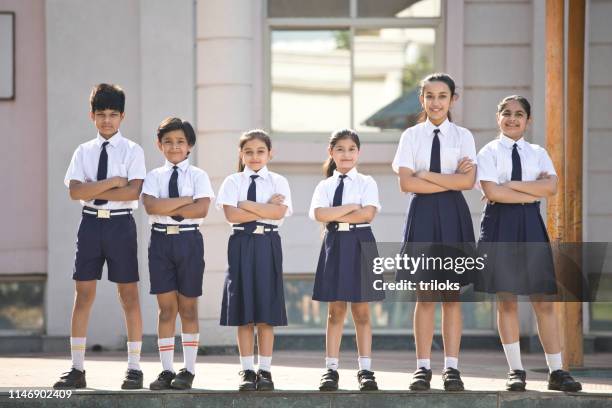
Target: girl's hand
419,174
464,166
277,199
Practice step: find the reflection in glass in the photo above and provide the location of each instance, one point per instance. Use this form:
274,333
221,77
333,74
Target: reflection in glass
310,8
389,63
398,8
21,306
310,80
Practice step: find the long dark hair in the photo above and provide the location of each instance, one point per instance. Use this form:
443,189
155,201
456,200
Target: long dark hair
251,135
329,165
436,77
520,99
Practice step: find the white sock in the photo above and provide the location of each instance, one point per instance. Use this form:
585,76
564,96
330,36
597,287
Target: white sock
247,363
424,362
77,351
554,362
134,354
166,353
451,362
265,363
513,355
331,363
365,363
190,350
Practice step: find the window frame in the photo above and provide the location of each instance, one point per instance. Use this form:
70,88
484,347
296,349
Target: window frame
351,23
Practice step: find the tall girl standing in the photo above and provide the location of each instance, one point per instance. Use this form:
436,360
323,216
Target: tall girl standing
435,161
515,175
255,201
346,201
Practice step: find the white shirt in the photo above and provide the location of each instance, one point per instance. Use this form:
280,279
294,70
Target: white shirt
414,150
236,186
358,189
125,159
495,160
192,182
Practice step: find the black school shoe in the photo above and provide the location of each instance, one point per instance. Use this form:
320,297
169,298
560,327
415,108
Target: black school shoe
249,379
163,381
421,380
367,381
72,379
264,381
133,380
329,381
561,380
452,380
183,380
516,380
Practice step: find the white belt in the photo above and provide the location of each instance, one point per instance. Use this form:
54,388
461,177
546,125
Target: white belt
174,229
260,229
346,226
101,213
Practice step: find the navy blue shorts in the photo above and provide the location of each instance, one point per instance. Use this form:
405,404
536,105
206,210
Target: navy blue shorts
111,240
176,262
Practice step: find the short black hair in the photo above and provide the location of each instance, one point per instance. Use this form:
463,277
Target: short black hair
107,96
171,123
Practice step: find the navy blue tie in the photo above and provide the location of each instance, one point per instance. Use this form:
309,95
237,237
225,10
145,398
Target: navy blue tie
173,190
517,170
338,193
102,170
252,192
434,161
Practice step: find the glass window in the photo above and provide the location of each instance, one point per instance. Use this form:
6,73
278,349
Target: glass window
311,71
389,63
398,8
21,305
310,8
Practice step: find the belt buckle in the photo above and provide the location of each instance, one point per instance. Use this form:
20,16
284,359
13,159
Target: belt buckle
259,230
172,229
103,213
344,226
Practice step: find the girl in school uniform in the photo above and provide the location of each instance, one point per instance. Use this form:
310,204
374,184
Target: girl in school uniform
346,201
514,176
435,161
255,201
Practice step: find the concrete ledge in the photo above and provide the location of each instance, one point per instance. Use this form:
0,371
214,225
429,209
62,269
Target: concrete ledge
312,399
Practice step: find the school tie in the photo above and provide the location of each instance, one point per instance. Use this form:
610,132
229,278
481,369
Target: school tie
252,192
102,169
173,190
434,161
517,170
338,193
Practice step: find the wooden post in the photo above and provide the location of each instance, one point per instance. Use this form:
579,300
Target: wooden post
564,210
571,328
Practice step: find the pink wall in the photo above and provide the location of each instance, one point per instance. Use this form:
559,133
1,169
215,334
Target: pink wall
23,147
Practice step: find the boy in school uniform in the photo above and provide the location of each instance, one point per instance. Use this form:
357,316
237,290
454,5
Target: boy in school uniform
106,175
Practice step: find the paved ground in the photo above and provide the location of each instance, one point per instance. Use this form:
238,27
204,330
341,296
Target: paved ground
482,371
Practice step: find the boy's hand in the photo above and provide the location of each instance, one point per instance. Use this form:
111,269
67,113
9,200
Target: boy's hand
355,207
543,175
464,166
120,181
277,199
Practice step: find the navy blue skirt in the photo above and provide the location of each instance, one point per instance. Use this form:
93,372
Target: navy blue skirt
513,266
438,227
253,291
344,271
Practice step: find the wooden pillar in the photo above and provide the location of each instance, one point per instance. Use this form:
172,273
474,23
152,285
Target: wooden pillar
564,210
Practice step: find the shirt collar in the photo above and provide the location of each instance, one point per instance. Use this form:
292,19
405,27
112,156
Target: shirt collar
182,165
509,143
263,172
351,174
444,127
113,141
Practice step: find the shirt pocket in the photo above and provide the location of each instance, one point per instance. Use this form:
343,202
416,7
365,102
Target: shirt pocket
187,189
449,157
119,170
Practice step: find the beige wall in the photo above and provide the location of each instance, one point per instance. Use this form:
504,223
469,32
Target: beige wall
23,125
